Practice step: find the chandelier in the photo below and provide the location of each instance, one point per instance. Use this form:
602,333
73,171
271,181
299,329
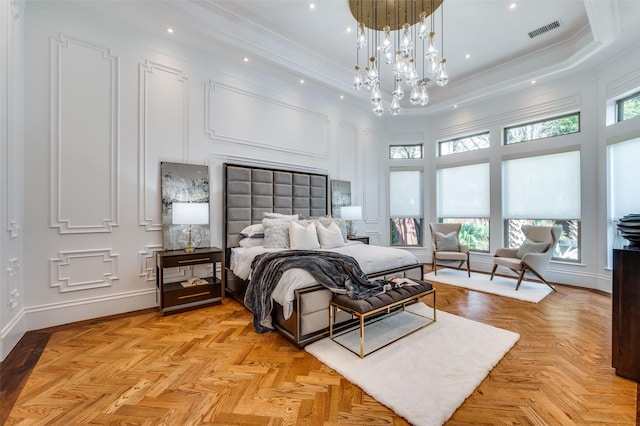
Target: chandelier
401,34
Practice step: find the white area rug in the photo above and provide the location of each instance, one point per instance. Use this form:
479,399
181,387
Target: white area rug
427,375
503,286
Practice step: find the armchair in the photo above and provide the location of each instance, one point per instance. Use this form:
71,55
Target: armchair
445,245
532,256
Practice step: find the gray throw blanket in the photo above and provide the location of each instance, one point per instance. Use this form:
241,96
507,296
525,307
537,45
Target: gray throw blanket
337,272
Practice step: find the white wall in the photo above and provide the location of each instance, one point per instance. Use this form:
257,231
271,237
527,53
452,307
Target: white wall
12,259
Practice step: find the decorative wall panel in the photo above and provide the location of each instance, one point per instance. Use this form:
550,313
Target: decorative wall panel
372,177
246,118
347,151
163,123
83,270
147,262
13,271
84,151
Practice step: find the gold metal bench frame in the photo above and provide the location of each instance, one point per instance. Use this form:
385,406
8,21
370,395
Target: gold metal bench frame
362,316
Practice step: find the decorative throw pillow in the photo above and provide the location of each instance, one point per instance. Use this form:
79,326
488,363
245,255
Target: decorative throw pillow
303,236
276,233
330,237
448,242
253,231
251,242
529,246
270,215
328,220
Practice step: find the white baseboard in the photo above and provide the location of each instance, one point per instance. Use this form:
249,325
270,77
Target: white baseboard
11,334
43,316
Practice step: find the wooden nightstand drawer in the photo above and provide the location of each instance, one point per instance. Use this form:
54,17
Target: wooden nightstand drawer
175,294
187,259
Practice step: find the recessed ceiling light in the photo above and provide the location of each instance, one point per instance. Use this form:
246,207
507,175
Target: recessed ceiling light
170,30
467,56
341,96
533,82
301,81
245,59
512,6
349,29
312,6
455,105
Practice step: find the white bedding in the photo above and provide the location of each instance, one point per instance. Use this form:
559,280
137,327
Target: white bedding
370,258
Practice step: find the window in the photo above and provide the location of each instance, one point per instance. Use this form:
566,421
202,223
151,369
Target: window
544,190
623,178
628,107
405,151
463,197
406,211
464,144
543,129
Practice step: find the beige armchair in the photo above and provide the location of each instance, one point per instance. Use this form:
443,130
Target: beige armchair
533,256
447,247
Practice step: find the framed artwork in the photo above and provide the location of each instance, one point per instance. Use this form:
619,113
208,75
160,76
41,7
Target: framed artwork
182,183
340,195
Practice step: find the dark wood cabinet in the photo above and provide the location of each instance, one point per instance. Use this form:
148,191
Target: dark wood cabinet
359,238
626,313
176,292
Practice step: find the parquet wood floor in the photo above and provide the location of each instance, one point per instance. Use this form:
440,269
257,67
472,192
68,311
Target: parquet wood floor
208,366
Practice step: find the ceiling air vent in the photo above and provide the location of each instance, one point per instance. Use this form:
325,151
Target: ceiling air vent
546,28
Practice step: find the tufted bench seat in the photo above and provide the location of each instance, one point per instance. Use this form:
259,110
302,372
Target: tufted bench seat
377,308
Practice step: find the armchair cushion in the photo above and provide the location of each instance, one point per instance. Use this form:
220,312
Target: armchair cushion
529,246
448,242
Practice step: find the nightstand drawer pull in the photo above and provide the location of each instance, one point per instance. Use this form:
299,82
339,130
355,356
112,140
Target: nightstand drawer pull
188,296
193,260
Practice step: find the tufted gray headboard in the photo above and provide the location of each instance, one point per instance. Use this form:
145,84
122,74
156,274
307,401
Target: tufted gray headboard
250,191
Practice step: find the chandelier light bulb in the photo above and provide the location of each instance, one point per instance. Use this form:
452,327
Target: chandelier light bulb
434,66
372,74
406,44
432,50
376,94
415,95
357,79
422,26
424,95
399,90
361,40
398,65
388,57
387,45
378,110
443,77
395,105
412,74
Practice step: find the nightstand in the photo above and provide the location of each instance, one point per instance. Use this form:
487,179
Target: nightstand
176,291
359,238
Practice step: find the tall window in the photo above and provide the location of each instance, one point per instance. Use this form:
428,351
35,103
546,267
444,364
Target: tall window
624,175
406,211
547,128
464,144
463,197
628,107
544,190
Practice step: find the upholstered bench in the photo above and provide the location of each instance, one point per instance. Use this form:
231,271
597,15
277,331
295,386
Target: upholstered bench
379,308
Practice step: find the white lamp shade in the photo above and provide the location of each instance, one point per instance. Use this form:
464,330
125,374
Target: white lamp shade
190,213
351,212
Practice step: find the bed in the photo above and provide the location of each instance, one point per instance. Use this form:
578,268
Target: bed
300,306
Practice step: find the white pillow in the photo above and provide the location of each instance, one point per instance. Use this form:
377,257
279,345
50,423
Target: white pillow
276,233
303,237
330,237
251,242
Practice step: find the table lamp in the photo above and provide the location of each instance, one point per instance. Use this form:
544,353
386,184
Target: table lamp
351,213
190,214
